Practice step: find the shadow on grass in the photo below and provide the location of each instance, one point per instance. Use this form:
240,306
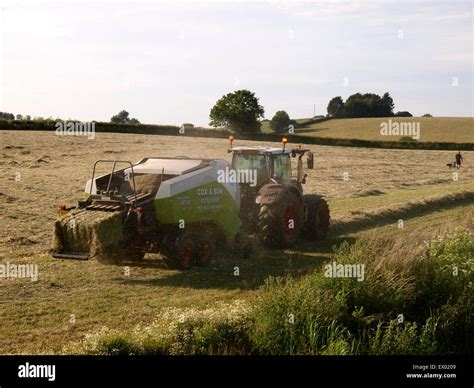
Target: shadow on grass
305,130
234,273
406,212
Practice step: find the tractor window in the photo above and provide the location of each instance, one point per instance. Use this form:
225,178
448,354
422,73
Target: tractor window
282,167
249,162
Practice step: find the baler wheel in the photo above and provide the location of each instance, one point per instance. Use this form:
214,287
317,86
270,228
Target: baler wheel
179,251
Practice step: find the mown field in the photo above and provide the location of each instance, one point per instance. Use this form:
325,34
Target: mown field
384,186
432,129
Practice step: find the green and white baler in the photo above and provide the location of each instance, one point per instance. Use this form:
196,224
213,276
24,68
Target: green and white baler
174,206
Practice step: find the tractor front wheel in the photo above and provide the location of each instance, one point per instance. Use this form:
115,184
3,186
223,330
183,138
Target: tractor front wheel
316,217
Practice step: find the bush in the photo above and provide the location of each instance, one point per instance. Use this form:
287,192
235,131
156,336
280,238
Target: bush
403,114
445,272
291,316
403,339
455,325
407,139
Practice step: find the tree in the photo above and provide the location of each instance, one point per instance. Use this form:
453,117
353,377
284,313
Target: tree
387,105
28,117
121,117
7,116
361,105
240,111
403,114
19,117
336,107
280,121
427,115
356,106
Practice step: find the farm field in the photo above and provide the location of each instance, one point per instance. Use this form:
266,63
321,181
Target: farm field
432,129
383,186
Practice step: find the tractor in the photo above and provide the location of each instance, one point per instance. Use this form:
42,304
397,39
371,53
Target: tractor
275,208
183,208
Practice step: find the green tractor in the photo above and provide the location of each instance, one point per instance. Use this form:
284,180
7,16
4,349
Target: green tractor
184,208
273,206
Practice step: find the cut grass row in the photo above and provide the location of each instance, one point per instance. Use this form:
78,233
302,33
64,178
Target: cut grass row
348,207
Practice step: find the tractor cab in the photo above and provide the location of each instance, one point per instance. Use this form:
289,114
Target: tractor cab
270,162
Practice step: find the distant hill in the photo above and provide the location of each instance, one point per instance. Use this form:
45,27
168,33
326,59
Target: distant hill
432,129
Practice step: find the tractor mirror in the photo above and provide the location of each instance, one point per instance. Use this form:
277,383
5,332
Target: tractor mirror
310,160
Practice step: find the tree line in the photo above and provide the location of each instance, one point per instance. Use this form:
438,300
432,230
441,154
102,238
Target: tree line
241,111
123,117
363,105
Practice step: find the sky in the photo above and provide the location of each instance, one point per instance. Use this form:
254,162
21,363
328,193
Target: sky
169,62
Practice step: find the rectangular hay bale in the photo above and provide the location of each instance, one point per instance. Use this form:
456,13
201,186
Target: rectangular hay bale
87,231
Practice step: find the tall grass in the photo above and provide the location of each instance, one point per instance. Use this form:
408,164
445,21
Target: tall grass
420,304
405,305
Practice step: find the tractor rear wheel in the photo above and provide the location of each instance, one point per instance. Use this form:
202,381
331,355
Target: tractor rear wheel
316,217
279,224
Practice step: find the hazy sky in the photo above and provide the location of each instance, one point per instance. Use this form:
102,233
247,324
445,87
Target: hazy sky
168,63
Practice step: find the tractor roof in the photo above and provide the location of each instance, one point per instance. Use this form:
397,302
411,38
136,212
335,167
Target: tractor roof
260,150
167,166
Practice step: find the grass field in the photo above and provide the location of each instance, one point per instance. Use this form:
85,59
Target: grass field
383,187
432,129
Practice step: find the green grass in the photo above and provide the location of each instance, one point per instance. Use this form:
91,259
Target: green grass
35,317
432,129
322,315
